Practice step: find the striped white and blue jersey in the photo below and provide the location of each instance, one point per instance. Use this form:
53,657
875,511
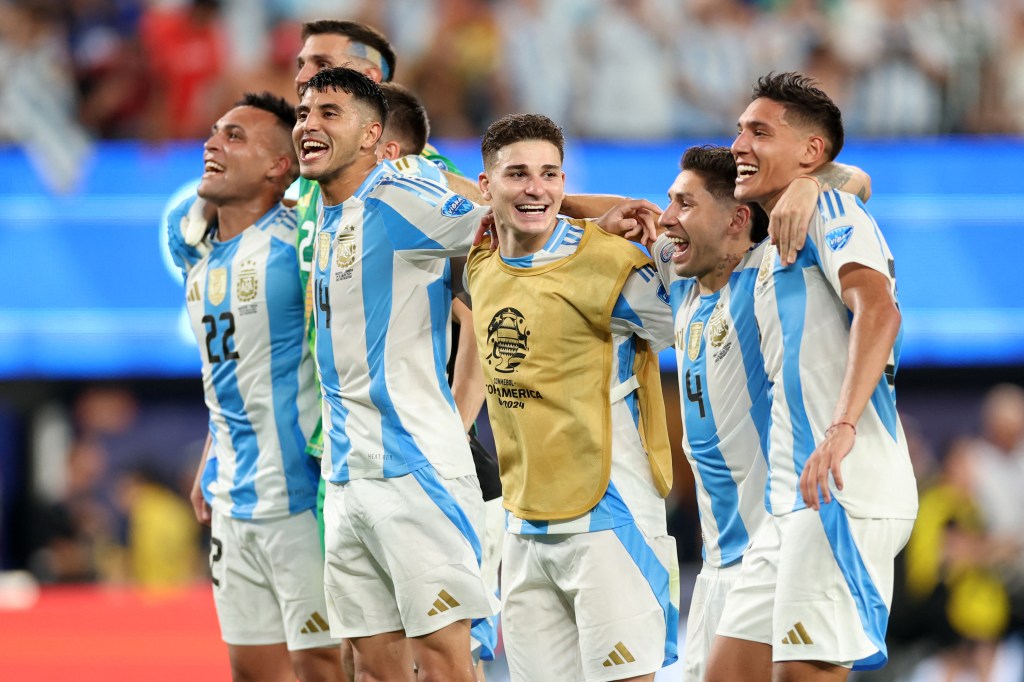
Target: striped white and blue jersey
723,392
382,304
805,337
638,312
420,167
245,305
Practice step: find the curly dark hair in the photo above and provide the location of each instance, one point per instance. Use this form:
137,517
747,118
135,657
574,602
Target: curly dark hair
517,128
806,105
350,81
717,168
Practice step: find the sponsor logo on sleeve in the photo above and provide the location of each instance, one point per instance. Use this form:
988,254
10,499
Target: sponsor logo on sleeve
456,206
839,237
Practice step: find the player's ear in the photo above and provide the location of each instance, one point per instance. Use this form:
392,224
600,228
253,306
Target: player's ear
390,150
484,184
280,167
814,151
740,219
371,135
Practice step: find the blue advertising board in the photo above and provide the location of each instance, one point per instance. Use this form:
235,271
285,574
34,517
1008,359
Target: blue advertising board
86,288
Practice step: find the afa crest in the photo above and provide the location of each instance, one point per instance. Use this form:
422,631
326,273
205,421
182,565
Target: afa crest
217,285
247,284
718,326
345,248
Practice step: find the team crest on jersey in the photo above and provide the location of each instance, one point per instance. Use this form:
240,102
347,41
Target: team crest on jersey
456,206
247,283
718,326
345,248
323,250
839,237
507,336
666,252
217,285
693,343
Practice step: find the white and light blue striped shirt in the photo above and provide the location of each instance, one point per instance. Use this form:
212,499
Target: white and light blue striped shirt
245,306
382,303
723,391
805,337
639,312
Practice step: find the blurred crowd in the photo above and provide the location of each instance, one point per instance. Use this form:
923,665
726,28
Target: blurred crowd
633,69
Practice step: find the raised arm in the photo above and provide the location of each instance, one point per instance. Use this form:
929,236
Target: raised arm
791,216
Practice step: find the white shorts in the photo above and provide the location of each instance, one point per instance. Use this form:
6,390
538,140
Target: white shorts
706,607
833,587
747,612
403,553
589,606
268,581
485,634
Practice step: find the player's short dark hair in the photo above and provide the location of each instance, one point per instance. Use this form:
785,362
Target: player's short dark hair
717,168
517,128
350,81
357,33
407,118
806,105
269,102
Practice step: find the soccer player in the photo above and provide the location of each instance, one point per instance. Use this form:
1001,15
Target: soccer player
708,259
405,134
841,488
403,506
256,483
566,316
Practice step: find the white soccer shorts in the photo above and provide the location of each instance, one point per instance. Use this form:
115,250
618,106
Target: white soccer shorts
268,581
589,606
833,587
403,553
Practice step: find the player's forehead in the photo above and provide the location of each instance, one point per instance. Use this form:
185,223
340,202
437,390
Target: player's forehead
764,112
688,183
330,47
250,119
529,154
326,98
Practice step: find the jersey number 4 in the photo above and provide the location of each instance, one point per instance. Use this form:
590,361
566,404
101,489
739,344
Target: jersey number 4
228,329
695,394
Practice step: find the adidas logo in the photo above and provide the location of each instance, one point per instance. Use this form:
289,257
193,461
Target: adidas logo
798,635
193,293
619,656
316,623
443,602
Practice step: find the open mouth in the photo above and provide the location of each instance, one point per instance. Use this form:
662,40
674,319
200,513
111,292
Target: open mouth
531,209
745,170
682,245
210,167
312,150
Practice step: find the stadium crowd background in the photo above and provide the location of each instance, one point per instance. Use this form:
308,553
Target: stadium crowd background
106,503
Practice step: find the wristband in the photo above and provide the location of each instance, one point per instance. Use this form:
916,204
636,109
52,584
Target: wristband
841,423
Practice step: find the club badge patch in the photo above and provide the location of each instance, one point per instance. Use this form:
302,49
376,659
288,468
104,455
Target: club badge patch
693,342
217,285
